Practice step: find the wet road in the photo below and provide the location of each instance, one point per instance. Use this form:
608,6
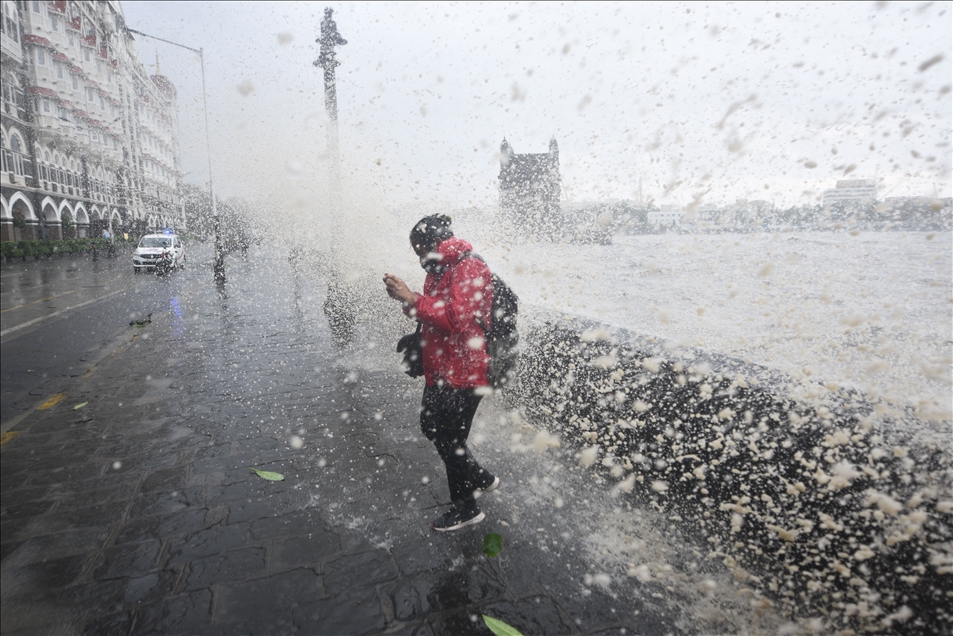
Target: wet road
58,314
129,506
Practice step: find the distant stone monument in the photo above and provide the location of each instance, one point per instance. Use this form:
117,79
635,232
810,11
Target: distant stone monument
529,191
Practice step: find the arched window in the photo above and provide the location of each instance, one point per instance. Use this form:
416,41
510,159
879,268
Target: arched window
42,161
16,145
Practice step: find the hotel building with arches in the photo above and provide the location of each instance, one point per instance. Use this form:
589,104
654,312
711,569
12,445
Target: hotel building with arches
90,138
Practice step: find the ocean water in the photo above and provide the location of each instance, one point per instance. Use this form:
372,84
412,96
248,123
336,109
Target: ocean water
870,311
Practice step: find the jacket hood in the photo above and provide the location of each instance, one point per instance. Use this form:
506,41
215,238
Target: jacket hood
452,249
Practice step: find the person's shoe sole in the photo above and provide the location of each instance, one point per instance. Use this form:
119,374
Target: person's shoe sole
479,492
463,524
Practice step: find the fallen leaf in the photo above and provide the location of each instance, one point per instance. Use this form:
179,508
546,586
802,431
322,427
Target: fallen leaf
500,628
267,474
141,323
492,544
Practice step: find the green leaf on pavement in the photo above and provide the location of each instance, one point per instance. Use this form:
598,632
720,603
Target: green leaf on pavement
267,474
139,324
500,628
80,405
492,544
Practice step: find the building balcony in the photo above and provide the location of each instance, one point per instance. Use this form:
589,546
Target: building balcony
52,123
14,110
13,179
11,48
16,168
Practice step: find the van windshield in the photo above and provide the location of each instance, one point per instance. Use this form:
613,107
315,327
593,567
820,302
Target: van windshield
155,241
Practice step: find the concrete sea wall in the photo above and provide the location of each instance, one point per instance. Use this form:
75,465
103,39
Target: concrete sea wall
840,512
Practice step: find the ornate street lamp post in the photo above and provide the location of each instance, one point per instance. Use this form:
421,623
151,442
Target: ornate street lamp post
327,60
338,307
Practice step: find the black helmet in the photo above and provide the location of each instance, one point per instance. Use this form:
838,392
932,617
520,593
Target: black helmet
430,228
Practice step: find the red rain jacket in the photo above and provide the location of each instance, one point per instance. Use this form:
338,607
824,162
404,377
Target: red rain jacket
450,311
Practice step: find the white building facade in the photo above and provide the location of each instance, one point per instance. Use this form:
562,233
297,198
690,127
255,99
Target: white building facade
852,190
667,215
90,139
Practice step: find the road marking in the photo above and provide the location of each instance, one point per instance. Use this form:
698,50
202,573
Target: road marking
57,313
2,311
117,279
50,403
114,344
6,437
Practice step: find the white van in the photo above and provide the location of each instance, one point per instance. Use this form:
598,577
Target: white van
152,245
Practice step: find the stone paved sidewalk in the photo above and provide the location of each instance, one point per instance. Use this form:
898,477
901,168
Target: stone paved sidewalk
138,513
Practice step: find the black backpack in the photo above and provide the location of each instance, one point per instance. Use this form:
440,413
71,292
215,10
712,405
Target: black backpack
502,336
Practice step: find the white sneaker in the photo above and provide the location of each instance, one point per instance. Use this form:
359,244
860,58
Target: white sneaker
455,518
479,492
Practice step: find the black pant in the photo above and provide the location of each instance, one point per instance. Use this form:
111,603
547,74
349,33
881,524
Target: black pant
445,418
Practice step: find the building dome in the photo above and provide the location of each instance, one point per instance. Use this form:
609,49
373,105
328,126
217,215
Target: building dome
165,86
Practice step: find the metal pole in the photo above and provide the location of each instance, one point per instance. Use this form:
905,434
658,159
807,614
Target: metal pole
102,159
218,266
109,216
334,152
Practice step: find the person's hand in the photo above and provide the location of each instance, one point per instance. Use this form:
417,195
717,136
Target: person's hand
398,290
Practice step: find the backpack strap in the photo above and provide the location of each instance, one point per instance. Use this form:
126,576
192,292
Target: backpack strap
472,254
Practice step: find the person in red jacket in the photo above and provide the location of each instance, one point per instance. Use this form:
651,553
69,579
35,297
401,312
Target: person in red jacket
453,311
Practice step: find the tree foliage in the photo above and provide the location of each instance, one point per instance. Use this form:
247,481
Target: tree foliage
234,215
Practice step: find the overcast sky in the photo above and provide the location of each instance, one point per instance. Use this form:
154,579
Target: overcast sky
710,102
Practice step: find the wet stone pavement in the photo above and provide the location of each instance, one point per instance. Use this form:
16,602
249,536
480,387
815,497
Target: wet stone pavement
137,513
